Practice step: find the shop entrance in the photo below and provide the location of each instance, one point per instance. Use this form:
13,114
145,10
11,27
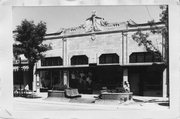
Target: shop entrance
51,79
145,81
90,80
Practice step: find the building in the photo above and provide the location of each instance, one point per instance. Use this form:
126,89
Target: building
20,73
104,55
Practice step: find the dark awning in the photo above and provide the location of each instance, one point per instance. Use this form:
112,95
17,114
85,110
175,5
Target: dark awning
102,65
143,64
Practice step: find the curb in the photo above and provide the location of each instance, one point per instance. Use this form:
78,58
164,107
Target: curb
93,105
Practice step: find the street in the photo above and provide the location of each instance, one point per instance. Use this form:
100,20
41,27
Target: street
40,109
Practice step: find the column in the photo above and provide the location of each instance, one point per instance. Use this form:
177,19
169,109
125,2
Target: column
38,82
122,50
64,51
34,83
127,56
164,83
66,78
34,78
97,58
125,79
64,54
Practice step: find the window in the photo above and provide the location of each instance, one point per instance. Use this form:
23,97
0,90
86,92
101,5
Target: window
139,57
52,61
148,58
109,58
79,60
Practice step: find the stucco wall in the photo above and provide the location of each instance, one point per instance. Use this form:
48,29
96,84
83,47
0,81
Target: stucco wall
94,48
101,44
56,50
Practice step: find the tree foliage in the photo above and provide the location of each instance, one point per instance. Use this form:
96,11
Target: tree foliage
29,38
164,19
28,41
142,38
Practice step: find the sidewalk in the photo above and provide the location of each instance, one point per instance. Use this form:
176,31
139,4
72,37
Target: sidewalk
138,102
54,108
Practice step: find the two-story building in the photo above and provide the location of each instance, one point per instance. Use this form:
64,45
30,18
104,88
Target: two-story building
101,54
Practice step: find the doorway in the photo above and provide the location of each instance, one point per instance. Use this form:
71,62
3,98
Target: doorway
95,78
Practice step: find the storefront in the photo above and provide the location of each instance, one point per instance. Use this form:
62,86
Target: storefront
87,79
20,73
96,55
144,79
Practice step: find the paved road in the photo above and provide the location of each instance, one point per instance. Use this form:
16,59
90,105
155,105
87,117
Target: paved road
39,110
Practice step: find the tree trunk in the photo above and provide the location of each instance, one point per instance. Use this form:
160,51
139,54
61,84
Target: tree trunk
31,75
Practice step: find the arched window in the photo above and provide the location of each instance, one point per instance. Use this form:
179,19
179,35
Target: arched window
139,57
52,61
79,60
109,58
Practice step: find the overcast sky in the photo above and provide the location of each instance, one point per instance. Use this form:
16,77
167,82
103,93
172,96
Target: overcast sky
64,17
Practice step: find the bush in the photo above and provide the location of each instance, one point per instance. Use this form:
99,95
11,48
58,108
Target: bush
121,90
117,90
60,87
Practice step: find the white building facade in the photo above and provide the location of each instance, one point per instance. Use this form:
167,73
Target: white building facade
104,55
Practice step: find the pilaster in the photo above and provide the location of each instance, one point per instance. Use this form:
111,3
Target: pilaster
125,79
64,51
66,78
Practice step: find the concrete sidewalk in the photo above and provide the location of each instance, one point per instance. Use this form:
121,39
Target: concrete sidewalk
53,108
138,102
138,98
56,108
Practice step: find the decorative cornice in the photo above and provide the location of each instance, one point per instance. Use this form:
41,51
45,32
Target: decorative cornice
92,24
102,32
97,25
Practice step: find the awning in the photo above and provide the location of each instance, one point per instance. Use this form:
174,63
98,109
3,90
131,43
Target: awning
24,68
129,65
62,67
143,64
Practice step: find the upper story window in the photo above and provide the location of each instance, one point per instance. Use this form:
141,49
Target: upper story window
109,58
79,60
139,57
52,61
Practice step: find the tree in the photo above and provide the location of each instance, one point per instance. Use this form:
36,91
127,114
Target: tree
165,34
142,38
28,41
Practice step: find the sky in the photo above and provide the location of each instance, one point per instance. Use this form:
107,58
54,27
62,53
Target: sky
64,17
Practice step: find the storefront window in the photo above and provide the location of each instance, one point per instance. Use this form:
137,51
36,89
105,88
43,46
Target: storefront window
82,80
52,61
139,57
79,60
108,58
51,79
45,80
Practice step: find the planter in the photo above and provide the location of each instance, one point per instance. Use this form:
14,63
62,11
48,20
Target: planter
72,93
116,96
43,89
56,93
